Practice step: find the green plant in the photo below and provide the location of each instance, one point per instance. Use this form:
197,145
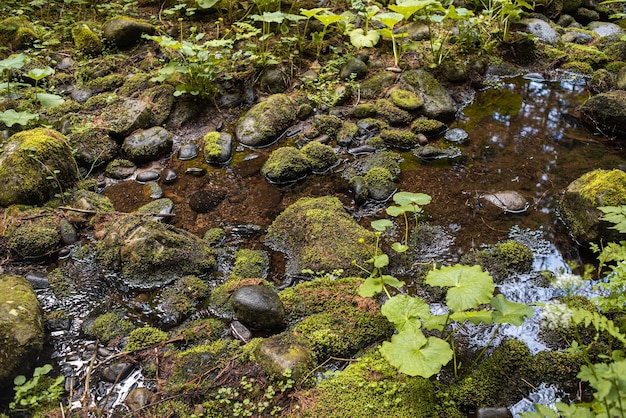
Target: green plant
390,20
364,37
407,202
38,392
505,12
327,18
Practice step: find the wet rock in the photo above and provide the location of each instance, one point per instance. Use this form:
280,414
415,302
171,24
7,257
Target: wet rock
162,206
58,321
203,201
187,152
432,153
150,254
578,206
148,145
258,307
585,15
456,135
161,99
273,81
117,372
184,110
317,233
125,116
428,127
380,185
81,95
359,189
88,201
124,31
392,114
94,147
250,264
455,71
240,331
28,159
195,171
286,165
21,328
321,157
218,147
120,169
283,352
399,139
179,300
169,176
37,280
262,124
354,68
138,399
68,232
438,103
605,28
501,412
508,201
542,30
606,111
147,176
33,233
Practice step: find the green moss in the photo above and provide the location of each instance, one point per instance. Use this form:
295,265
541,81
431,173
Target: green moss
586,54
200,330
60,284
108,326
99,101
333,334
428,127
371,387
214,236
502,259
385,159
86,40
219,300
135,84
17,32
405,99
250,264
266,120
286,164
107,83
391,113
321,156
327,124
400,139
183,297
603,187
212,147
578,67
347,133
378,177
145,337
362,110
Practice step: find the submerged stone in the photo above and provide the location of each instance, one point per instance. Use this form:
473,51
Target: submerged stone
508,201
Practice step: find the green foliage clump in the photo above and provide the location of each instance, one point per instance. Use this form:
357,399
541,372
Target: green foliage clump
108,326
145,337
250,263
37,393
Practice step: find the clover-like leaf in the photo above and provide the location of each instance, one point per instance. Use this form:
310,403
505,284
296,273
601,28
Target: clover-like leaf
508,312
360,39
414,354
469,286
381,224
405,311
408,198
399,248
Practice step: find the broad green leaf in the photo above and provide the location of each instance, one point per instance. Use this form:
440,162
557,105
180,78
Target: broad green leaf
399,248
11,117
49,100
574,410
395,211
328,19
312,12
407,11
482,316
381,224
39,73
542,412
405,311
370,287
435,322
360,39
389,19
469,286
507,312
381,260
207,4
19,380
14,62
392,281
414,354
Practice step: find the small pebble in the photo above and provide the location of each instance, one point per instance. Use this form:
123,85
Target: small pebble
195,171
169,176
146,176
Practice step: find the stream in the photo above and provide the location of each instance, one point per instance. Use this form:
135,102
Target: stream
523,136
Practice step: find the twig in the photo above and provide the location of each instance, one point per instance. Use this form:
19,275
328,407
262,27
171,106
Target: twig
95,212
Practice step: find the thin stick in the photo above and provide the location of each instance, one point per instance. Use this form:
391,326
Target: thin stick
95,212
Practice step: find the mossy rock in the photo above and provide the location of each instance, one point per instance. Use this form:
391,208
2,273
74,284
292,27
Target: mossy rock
502,259
150,254
124,116
124,31
108,326
607,112
201,330
400,139
144,337
371,387
280,353
362,111
405,99
286,165
86,40
374,86
34,165
318,234
218,147
17,32
428,127
321,156
380,183
587,54
89,201
327,124
342,334
180,299
262,124
438,103
21,328
389,160
105,83
250,263
94,147
347,134
395,116
578,206
220,298
33,233
147,145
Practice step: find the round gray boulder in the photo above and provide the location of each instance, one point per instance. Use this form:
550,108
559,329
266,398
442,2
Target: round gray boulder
148,145
258,307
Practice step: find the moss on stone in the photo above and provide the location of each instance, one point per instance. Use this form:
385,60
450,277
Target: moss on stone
391,113
212,147
143,337
250,263
578,67
385,159
327,124
347,133
405,99
362,111
371,387
200,330
107,83
285,165
400,139
602,187
136,84
428,127
86,40
586,54
99,101
33,233
17,32
379,183
266,121
219,300
108,326
321,156
214,236
182,298
503,259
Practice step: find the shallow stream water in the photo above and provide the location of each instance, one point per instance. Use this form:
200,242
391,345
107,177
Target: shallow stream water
524,136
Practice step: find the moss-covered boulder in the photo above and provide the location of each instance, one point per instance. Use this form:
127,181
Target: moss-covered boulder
373,87
17,32
321,156
282,354
503,259
399,138
34,165
93,147
21,328
33,233
150,254
391,113
218,147
318,234
380,183
147,145
180,299
405,99
264,123
286,165
438,103
86,40
124,31
371,387
250,263
579,204
606,112
124,116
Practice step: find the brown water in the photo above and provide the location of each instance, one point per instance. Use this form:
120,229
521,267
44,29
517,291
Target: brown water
523,136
